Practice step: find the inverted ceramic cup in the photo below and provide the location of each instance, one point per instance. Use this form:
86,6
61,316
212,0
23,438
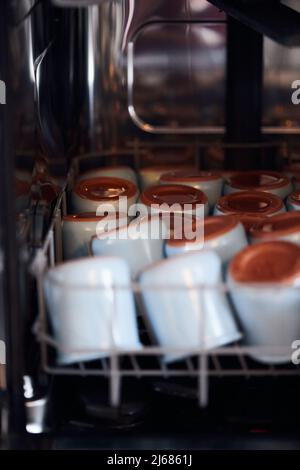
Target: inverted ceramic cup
267,181
293,172
89,194
78,229
249,220
293,201
179,312
264,282
279,227
150,175
140,243
256,202
224,234
118,171
209,182
175,198
91,308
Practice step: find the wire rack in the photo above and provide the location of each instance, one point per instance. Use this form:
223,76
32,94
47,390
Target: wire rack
202,365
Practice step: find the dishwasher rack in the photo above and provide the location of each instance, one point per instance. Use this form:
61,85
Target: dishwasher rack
145,362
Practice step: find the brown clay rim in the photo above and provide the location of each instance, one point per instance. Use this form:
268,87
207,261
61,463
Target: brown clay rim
190,176
276,261
214,227
250,220
162,168
258,180
256,202
90,217
173,194
105,188
277,225
295,197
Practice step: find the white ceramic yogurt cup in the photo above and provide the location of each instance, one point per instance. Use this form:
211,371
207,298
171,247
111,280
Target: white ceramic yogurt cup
266,181
264,282
209,182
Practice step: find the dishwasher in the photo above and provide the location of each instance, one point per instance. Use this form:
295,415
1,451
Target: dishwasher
89,84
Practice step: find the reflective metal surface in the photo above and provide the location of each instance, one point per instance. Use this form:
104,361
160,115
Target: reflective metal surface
282,67
159,67
169,80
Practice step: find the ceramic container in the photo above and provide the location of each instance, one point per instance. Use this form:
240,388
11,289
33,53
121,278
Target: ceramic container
224,234
264,282
119,171
256,202
78,229
88,312
279,227
180,313
140,243
89,194
267,181
175,198
210,183
150,175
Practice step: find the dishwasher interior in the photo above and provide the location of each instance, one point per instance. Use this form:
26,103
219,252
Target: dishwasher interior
100,83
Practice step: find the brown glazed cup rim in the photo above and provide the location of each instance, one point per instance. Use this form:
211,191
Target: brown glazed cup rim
277,225
295,197
249,220
269,262
189,195
85,187
214,227
237,203
276,180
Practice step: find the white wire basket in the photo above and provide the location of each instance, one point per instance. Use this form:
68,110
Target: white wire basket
199,363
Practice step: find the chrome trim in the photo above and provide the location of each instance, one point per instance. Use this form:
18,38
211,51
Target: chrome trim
157,129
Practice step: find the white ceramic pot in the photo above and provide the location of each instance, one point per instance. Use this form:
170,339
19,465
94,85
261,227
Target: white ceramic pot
247,202
175,198
210,183
267,181
224,235
181,314
88,312
120,171
140,243
279,227
89,195
78,230
150,175
264,282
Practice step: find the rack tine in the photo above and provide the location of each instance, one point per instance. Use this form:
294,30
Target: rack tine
217,364
82,368
189,364
135,366
242,360
115,381
203,380
273,370
163,367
